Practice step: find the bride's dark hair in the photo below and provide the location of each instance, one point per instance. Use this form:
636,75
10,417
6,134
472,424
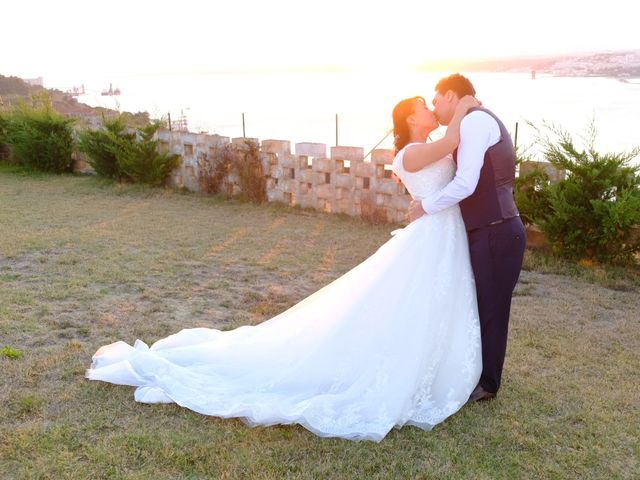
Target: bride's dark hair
401,112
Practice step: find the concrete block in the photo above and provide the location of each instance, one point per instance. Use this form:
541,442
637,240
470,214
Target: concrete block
400,202
270,184
287,160
276,146
315,150
382,157
324,165
363,169
244,142
289,185
343,180
306,201
388,187
217,140
353,154
342,193
305,176
305,162
345,205
325,191
552,172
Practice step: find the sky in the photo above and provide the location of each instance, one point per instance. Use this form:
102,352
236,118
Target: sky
69,39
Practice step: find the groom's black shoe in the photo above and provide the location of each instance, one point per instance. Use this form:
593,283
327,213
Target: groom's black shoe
479,394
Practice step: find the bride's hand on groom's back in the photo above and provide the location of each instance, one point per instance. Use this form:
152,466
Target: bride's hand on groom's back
415,210
468,102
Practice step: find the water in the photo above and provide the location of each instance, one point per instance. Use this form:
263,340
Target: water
301,107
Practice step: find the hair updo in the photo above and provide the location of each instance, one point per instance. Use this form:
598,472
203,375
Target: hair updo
402,111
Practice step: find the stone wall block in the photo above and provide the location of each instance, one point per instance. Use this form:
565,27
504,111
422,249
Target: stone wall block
344,180
288,161
382,156
244,142
388,187
326,165
315,150
305,175
278,147
353,154
363,169
325,191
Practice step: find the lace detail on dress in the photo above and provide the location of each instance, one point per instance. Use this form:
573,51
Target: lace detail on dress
430,179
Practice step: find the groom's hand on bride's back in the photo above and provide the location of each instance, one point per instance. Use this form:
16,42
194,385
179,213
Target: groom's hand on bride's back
415,210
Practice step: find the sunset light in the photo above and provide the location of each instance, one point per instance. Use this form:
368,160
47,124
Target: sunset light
67,40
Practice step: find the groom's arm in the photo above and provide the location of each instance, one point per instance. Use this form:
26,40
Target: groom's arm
478,132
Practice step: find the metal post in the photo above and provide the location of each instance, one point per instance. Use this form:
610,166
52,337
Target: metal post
244,134
169,117
337,130
515,141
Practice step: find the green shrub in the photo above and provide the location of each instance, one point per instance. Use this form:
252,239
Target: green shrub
102,147
141,161
39,138
531,196
4,146
591,213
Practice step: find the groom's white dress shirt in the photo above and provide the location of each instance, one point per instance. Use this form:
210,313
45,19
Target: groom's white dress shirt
478,132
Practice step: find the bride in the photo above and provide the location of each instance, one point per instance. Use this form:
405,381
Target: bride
393,342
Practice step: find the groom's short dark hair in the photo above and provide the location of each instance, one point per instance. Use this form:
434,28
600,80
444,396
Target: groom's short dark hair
459,84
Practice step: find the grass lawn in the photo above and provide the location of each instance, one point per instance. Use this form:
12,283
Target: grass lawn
84,263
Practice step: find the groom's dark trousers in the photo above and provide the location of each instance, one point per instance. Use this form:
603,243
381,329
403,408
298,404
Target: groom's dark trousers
496,259
496,243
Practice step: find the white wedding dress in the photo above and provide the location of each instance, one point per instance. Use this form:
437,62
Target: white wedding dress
395,341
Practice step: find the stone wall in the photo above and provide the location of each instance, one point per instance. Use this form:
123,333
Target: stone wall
340,182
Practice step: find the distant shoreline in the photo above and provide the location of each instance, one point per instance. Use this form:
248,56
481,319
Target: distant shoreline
619,65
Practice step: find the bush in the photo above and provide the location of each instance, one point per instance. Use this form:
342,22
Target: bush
529,188
140,159
215,169
4,146
102,147
590,214
39,138
244,162
253,184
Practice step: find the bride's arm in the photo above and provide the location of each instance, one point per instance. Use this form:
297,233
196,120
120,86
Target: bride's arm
418,156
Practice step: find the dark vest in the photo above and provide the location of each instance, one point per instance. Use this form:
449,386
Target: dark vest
492,199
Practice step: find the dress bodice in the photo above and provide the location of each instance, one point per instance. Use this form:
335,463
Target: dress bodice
431,178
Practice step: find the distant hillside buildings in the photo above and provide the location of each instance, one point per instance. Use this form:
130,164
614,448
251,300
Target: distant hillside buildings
619,64
35,82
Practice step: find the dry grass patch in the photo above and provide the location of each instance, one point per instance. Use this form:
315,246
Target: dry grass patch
84,263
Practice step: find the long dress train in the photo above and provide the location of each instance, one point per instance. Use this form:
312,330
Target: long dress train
395,341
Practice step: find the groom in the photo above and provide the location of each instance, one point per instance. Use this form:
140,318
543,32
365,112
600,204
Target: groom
483,187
